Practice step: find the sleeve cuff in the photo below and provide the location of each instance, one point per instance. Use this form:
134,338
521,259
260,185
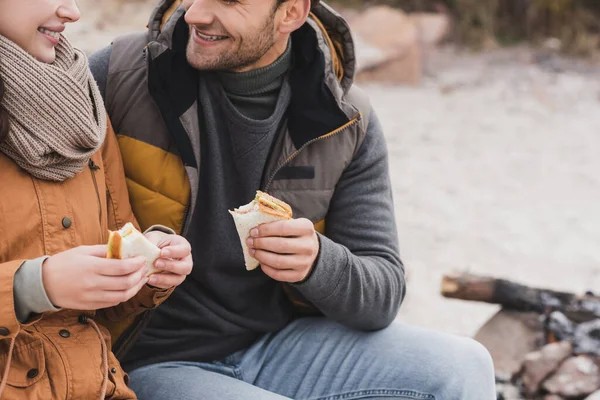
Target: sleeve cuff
152,296
327,271
161,228
29,292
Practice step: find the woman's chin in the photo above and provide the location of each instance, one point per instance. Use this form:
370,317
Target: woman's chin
47,56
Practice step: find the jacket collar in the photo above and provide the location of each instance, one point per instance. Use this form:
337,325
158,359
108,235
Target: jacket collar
322,73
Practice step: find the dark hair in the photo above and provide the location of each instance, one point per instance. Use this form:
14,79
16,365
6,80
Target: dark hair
3,114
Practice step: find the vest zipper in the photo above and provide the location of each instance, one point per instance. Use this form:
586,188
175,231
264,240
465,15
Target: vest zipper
93,169
295,154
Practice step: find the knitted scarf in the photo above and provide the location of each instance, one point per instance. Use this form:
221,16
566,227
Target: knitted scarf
57,119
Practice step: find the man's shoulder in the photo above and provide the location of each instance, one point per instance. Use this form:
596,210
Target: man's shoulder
99,66
359,99
125,53
119,67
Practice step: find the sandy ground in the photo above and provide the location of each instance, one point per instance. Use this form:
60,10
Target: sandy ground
495,163
500,176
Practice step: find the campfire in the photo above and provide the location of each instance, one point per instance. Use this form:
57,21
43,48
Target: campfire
545,344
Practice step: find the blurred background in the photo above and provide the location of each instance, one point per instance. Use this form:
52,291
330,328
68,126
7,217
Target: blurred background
491,110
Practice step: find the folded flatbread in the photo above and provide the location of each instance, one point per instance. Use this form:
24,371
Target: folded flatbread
263,209
128,242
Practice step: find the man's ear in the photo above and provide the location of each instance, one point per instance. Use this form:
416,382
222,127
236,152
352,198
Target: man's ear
293,15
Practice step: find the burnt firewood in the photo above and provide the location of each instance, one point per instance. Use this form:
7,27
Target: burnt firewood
514,296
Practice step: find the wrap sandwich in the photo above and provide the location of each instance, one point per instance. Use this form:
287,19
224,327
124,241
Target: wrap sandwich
263,209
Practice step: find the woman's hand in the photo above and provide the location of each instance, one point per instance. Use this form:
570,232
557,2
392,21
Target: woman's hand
175,259
84,279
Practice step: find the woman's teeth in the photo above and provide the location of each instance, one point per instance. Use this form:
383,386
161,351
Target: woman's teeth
209,37
55,35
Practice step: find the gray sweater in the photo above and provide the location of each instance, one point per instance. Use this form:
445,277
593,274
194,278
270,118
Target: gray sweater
358,278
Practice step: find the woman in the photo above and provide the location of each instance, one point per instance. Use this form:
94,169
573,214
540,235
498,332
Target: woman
63,188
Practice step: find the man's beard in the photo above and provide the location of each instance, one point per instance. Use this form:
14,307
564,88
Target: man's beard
251,49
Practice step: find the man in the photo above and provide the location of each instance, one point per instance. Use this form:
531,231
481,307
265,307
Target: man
224,97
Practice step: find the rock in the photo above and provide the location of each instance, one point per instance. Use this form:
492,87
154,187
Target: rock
506,391
585,335
594,396
538,365
587,338
509,336
552,44
387,46
433,28
561,326
503,377
576,377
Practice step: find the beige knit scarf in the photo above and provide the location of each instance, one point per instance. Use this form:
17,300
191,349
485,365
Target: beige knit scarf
56,115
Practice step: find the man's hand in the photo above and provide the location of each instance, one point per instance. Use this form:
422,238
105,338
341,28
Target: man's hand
286,250
84,279
175,259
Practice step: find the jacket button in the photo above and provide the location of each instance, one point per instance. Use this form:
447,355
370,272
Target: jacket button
66,222
64,333
113,370
4,331
32,373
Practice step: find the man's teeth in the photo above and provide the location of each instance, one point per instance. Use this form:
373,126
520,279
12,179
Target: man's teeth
210,38
49,33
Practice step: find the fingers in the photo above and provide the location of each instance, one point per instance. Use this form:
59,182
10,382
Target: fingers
173,273
134,290
177,267
166,280
172,246
281,245
287,258
176,249
280,261
119,283
288,228
283,275
110,267
120,296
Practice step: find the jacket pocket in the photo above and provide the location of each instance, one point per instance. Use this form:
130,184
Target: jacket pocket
119,381
27,376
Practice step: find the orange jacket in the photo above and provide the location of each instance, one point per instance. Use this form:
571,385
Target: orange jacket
61,355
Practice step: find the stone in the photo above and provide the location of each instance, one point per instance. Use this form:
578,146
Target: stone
509,336
577,377
506,391
587,338
387,46
433,28
538,365
594,396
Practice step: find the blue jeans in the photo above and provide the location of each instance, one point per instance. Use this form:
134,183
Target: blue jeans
318,359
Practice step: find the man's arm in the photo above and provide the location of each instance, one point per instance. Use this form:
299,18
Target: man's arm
358,278
99,62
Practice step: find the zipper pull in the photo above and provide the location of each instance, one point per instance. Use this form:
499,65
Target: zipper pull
93,165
